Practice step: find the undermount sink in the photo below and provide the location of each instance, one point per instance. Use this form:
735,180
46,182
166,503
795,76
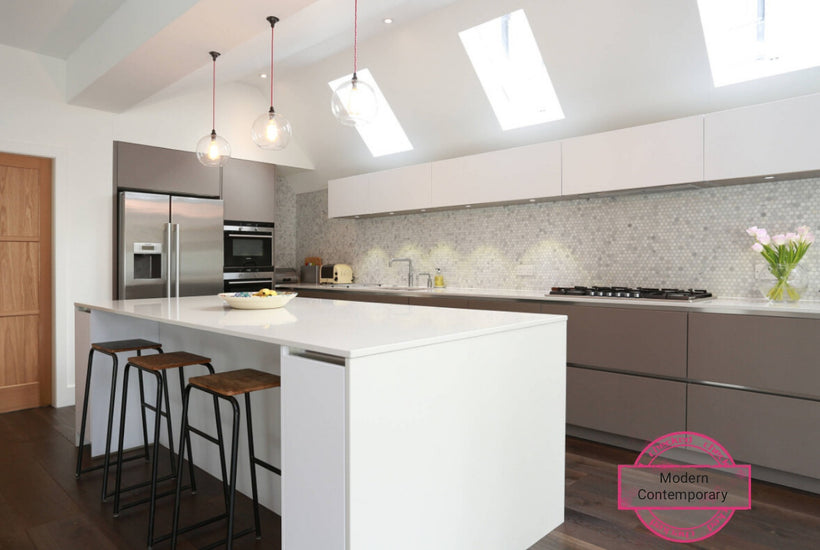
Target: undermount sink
390,287
379,286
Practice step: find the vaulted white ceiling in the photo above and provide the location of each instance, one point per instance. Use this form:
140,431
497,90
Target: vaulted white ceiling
613,65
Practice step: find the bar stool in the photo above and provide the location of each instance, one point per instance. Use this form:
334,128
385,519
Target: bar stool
226,385
157,365
112,349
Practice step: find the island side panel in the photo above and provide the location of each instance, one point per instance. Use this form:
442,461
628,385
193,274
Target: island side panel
458,445
313,452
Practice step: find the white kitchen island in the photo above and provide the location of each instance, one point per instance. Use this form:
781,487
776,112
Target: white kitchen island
397,426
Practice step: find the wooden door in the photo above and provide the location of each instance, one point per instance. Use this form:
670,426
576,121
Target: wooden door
25,282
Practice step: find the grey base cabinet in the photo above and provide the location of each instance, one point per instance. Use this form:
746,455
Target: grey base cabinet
777,432
630,406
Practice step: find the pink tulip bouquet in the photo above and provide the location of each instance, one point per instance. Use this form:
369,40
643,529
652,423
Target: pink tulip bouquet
782,254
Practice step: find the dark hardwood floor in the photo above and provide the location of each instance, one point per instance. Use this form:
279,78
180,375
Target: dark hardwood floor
43,507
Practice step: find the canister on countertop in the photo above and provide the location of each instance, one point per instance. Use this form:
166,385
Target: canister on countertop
439,279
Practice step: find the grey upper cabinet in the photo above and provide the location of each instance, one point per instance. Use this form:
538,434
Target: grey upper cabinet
247,190
145,168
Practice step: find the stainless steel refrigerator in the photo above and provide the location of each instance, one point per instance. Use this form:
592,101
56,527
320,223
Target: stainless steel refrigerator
169,246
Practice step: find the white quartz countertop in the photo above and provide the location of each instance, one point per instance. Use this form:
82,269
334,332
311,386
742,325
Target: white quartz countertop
802,309
335,327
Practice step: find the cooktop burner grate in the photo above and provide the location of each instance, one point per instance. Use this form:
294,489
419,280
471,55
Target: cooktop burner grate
689,294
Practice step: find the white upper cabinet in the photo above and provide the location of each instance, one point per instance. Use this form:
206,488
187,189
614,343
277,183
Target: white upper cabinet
348,196
666,153
521,173
396,190
772,138
406,188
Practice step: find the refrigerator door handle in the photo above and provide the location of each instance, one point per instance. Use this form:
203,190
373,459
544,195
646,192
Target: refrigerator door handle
176,260
168,252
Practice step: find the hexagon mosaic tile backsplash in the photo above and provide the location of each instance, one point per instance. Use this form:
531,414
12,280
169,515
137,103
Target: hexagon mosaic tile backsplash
693,238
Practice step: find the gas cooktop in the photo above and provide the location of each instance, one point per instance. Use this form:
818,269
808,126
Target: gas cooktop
689,295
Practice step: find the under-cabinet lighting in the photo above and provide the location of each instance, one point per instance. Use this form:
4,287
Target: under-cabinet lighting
506,58
751,39
768,178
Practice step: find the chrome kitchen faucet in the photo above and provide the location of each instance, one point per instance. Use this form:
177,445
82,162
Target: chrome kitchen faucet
409,268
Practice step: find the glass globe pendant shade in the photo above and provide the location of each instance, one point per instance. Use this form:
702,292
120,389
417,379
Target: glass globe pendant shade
354,103
213,150
271,131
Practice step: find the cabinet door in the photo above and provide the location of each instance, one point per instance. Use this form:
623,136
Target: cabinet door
765,430
144,168
516,174
665,153
247,190
776,354
633,340
772,138
406,188
626,405
348,196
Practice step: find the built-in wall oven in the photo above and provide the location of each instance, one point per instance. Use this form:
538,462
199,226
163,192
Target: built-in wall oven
248,249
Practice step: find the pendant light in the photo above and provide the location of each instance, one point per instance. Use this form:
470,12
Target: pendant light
271,130
354,102
213,150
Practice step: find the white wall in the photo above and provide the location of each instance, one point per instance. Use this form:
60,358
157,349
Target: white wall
35,120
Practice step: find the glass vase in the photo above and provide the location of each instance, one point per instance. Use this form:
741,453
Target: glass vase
780,283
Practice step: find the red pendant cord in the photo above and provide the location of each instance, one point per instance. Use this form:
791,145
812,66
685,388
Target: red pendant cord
213,99
271,66
355,36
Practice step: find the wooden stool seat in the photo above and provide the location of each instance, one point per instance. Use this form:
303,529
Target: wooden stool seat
119,346
164,361
236,382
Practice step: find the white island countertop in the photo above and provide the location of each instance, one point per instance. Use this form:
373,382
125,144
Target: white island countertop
340,328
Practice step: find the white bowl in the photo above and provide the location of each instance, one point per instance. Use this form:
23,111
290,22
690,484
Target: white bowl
257,302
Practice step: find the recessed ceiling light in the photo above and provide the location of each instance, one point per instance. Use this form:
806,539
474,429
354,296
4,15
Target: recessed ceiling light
391,213
468,206
388,20
263,75
532,200
768,178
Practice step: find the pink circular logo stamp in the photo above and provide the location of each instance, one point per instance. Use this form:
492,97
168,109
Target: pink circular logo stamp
684,487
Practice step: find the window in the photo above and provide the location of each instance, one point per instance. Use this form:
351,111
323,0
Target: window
508,63
384,135
751,39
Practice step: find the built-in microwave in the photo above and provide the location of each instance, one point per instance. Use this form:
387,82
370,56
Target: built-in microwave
248,246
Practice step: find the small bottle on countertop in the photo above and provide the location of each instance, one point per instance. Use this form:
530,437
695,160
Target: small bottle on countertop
439,280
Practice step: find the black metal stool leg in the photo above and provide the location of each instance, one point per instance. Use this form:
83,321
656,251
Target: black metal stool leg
121,440
234,456
161,390
144,421
85,414
221,438
184,432
252,457
111,400
171,453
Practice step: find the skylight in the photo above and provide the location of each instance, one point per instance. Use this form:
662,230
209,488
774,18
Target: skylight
384,135
508,63
751,39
